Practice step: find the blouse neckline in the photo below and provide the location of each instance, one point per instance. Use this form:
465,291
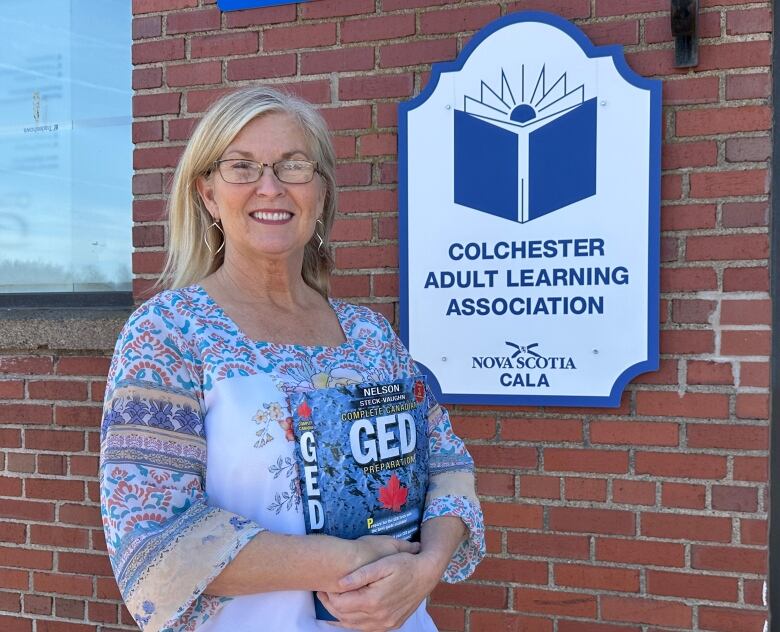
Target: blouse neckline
338,307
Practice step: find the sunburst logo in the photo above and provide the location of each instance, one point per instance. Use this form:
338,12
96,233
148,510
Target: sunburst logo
525,146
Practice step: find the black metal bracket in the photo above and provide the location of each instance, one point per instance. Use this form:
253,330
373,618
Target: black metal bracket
685,29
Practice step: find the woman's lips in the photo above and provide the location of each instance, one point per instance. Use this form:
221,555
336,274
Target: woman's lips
271,217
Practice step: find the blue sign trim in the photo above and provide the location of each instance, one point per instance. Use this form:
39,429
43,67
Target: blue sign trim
653,287
238,5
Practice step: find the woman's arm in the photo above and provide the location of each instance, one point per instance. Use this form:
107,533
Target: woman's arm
272,561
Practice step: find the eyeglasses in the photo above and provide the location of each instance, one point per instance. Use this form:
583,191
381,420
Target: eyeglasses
241,171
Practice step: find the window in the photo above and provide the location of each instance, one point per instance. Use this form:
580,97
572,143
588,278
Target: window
65,147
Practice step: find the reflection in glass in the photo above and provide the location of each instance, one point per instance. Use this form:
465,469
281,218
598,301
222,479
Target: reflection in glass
65,146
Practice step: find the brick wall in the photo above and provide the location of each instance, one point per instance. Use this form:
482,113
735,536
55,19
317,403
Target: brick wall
651,516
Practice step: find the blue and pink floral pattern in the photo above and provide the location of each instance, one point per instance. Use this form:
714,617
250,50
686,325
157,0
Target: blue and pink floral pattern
171,353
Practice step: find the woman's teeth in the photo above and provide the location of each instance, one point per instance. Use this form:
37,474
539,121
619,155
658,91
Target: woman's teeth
275,216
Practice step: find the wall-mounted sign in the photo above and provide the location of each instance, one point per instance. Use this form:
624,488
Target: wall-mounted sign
529,200
237,5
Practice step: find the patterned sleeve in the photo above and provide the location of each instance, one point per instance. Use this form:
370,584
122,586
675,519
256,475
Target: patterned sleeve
165,542
451,487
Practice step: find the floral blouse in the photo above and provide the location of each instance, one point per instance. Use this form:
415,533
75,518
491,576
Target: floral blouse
197,454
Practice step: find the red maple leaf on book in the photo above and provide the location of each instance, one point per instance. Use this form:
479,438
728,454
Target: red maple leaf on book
393,495
304,412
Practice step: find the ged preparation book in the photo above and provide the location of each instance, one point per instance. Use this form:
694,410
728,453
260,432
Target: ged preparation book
362,453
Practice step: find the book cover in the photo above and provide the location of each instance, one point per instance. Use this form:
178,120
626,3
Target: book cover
521,156
362,453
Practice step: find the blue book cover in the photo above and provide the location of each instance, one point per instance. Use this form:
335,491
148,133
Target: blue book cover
362,453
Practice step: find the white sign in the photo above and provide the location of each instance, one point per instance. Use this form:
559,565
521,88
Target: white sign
529,203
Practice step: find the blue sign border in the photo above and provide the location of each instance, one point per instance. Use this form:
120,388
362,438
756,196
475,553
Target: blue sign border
238,5
653,282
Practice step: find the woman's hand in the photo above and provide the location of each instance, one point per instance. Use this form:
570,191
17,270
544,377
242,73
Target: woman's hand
382,595
370,548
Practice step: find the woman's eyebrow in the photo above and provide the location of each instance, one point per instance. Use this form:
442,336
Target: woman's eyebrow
250,155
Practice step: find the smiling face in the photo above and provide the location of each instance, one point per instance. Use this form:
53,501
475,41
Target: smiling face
267,218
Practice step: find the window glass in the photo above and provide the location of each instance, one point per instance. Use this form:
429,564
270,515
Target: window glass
65,146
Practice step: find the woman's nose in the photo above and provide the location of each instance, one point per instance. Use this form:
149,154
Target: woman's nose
268,184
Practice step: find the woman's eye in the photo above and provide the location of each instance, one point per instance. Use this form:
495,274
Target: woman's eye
242,165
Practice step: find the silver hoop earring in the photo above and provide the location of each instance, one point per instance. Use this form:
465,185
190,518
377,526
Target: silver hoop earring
321,245
214,224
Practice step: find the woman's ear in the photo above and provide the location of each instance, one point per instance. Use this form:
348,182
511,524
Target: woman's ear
206,193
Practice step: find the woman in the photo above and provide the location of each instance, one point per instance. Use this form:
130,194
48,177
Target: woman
200,502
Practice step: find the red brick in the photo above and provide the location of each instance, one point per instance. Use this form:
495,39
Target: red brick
753,531
102,612
633,492
317,91
200,100
504,456
147,131
368,201
690,154
26,558
625,32
191,21
339,60
688,279
148,211
336,8
595,461
153,6
25,414
508,570
596,577
495,484
730,619
683,495
84,563
54,489
344,286
548,545
54,464
389,285
754,149
754,374
753,589
692,586
262,16
15,461
366,257
156,158
224,45
13,532
555,602
161,50
581,520
745,342
688,90
733,559
378,28
693,311
512,515
689,528
194,74
417,53
709,372
147,78
375,87
59,536
471,595
744,214
181,128
541,430
634,433
746,279
352,174
707,121
13,624
471,427
146,236
656,612
729,183
672,404
565,8
149,26
347,117
652,62
69,608
733,498
11,389
457,20
58,440
745,22
378,144
80,515
26,365
751,468
728,436
15,579
261,67
678,465
37,604
748,86
752,406
734,55
57,390
156,104
26,510
532,486
659,30
594,489
304,36
505,622
43,625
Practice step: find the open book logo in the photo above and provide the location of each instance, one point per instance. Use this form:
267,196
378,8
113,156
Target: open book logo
525,147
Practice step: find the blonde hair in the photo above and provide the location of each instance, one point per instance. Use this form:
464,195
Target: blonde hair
190,224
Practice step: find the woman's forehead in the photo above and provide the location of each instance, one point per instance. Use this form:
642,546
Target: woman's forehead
277,132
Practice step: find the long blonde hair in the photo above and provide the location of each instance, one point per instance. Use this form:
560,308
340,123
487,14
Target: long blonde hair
190,224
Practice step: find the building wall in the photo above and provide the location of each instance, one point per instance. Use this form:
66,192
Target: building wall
646,517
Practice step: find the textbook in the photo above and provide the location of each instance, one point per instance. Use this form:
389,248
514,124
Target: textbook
362,453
